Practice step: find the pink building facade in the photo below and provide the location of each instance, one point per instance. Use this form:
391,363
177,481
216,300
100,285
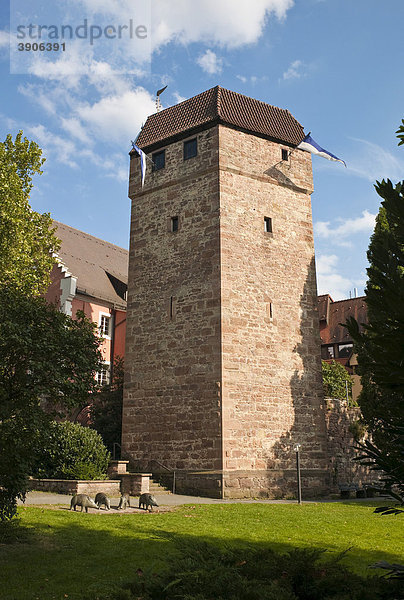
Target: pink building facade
91,276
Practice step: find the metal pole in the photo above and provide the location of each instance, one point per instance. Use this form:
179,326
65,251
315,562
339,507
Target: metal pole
299,483
173,482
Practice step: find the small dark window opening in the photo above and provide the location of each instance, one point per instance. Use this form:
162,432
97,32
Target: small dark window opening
159,160
327,352
268,224
344,350
174,224
171,307
271,314
190,149
285,154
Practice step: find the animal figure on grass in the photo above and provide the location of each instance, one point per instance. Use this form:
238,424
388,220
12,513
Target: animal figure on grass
124,501
82,500
102,498
147,500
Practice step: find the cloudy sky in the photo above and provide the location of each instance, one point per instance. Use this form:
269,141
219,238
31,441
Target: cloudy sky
337,65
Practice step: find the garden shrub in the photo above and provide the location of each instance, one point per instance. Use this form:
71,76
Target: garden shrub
335,380
71,451
204,572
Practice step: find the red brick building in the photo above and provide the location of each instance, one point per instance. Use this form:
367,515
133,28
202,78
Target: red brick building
223,370
336,343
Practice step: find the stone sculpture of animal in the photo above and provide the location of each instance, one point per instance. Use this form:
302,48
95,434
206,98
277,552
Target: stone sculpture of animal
147,500
82,500
124,501
102,498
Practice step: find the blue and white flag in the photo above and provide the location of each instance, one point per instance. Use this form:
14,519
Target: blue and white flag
309,145
142,160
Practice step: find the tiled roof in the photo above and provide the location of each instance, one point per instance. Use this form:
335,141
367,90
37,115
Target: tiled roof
333,331
222,106
90,259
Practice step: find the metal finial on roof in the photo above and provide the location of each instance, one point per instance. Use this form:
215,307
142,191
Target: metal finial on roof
158,94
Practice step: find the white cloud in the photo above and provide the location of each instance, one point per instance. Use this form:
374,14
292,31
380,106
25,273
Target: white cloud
117,118
210,62
329,281
295,70
74,127
228,23
344,228
54,146
373,162
4,39
178,97
253,79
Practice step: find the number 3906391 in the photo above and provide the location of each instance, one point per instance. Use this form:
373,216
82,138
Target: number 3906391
42,47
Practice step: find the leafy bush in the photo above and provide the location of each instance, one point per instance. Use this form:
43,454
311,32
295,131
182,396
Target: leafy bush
71,451
204,572
358,429
335,378
106,410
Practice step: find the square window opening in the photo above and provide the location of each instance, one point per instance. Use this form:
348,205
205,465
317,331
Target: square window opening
190,149
159,160
104,326
327,352
102,377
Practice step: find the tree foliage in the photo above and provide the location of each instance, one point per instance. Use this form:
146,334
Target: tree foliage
27,238
44,356
336,379
71,451
106,409
380,347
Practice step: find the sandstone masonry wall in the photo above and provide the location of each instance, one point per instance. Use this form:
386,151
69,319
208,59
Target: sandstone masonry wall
171,405
223,347
271,378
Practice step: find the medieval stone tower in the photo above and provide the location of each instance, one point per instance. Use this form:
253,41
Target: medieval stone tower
222,354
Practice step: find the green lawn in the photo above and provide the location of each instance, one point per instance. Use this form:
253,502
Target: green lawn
69,552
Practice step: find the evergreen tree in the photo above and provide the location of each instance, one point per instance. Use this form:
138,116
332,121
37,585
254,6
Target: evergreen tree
380,347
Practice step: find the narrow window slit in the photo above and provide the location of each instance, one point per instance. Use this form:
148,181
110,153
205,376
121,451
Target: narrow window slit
268,224
174,224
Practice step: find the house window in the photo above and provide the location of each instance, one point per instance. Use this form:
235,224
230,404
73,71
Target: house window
268,224
190,149
285,154
104,325
159,160
327,352
174,224
102,376
344,350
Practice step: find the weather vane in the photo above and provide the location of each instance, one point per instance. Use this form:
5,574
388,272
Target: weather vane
158,103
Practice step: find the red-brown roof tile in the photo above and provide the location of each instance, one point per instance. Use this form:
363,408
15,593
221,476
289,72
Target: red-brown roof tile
221,106
90,259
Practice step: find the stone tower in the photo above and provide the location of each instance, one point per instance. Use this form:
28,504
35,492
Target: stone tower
223,349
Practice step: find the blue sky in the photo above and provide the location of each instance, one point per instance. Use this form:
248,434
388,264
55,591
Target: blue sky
337,65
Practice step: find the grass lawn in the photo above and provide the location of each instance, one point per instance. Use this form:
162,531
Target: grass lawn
70,552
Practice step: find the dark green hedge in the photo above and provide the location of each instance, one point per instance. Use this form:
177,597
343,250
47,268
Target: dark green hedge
71,451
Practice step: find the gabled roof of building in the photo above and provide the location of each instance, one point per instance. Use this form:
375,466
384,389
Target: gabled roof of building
334,314
101,268
219,105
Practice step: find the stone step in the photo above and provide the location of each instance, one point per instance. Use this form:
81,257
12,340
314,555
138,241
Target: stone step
156,488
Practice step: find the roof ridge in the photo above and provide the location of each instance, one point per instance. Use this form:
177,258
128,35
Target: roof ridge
349,299
285,110
218,99
94,237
